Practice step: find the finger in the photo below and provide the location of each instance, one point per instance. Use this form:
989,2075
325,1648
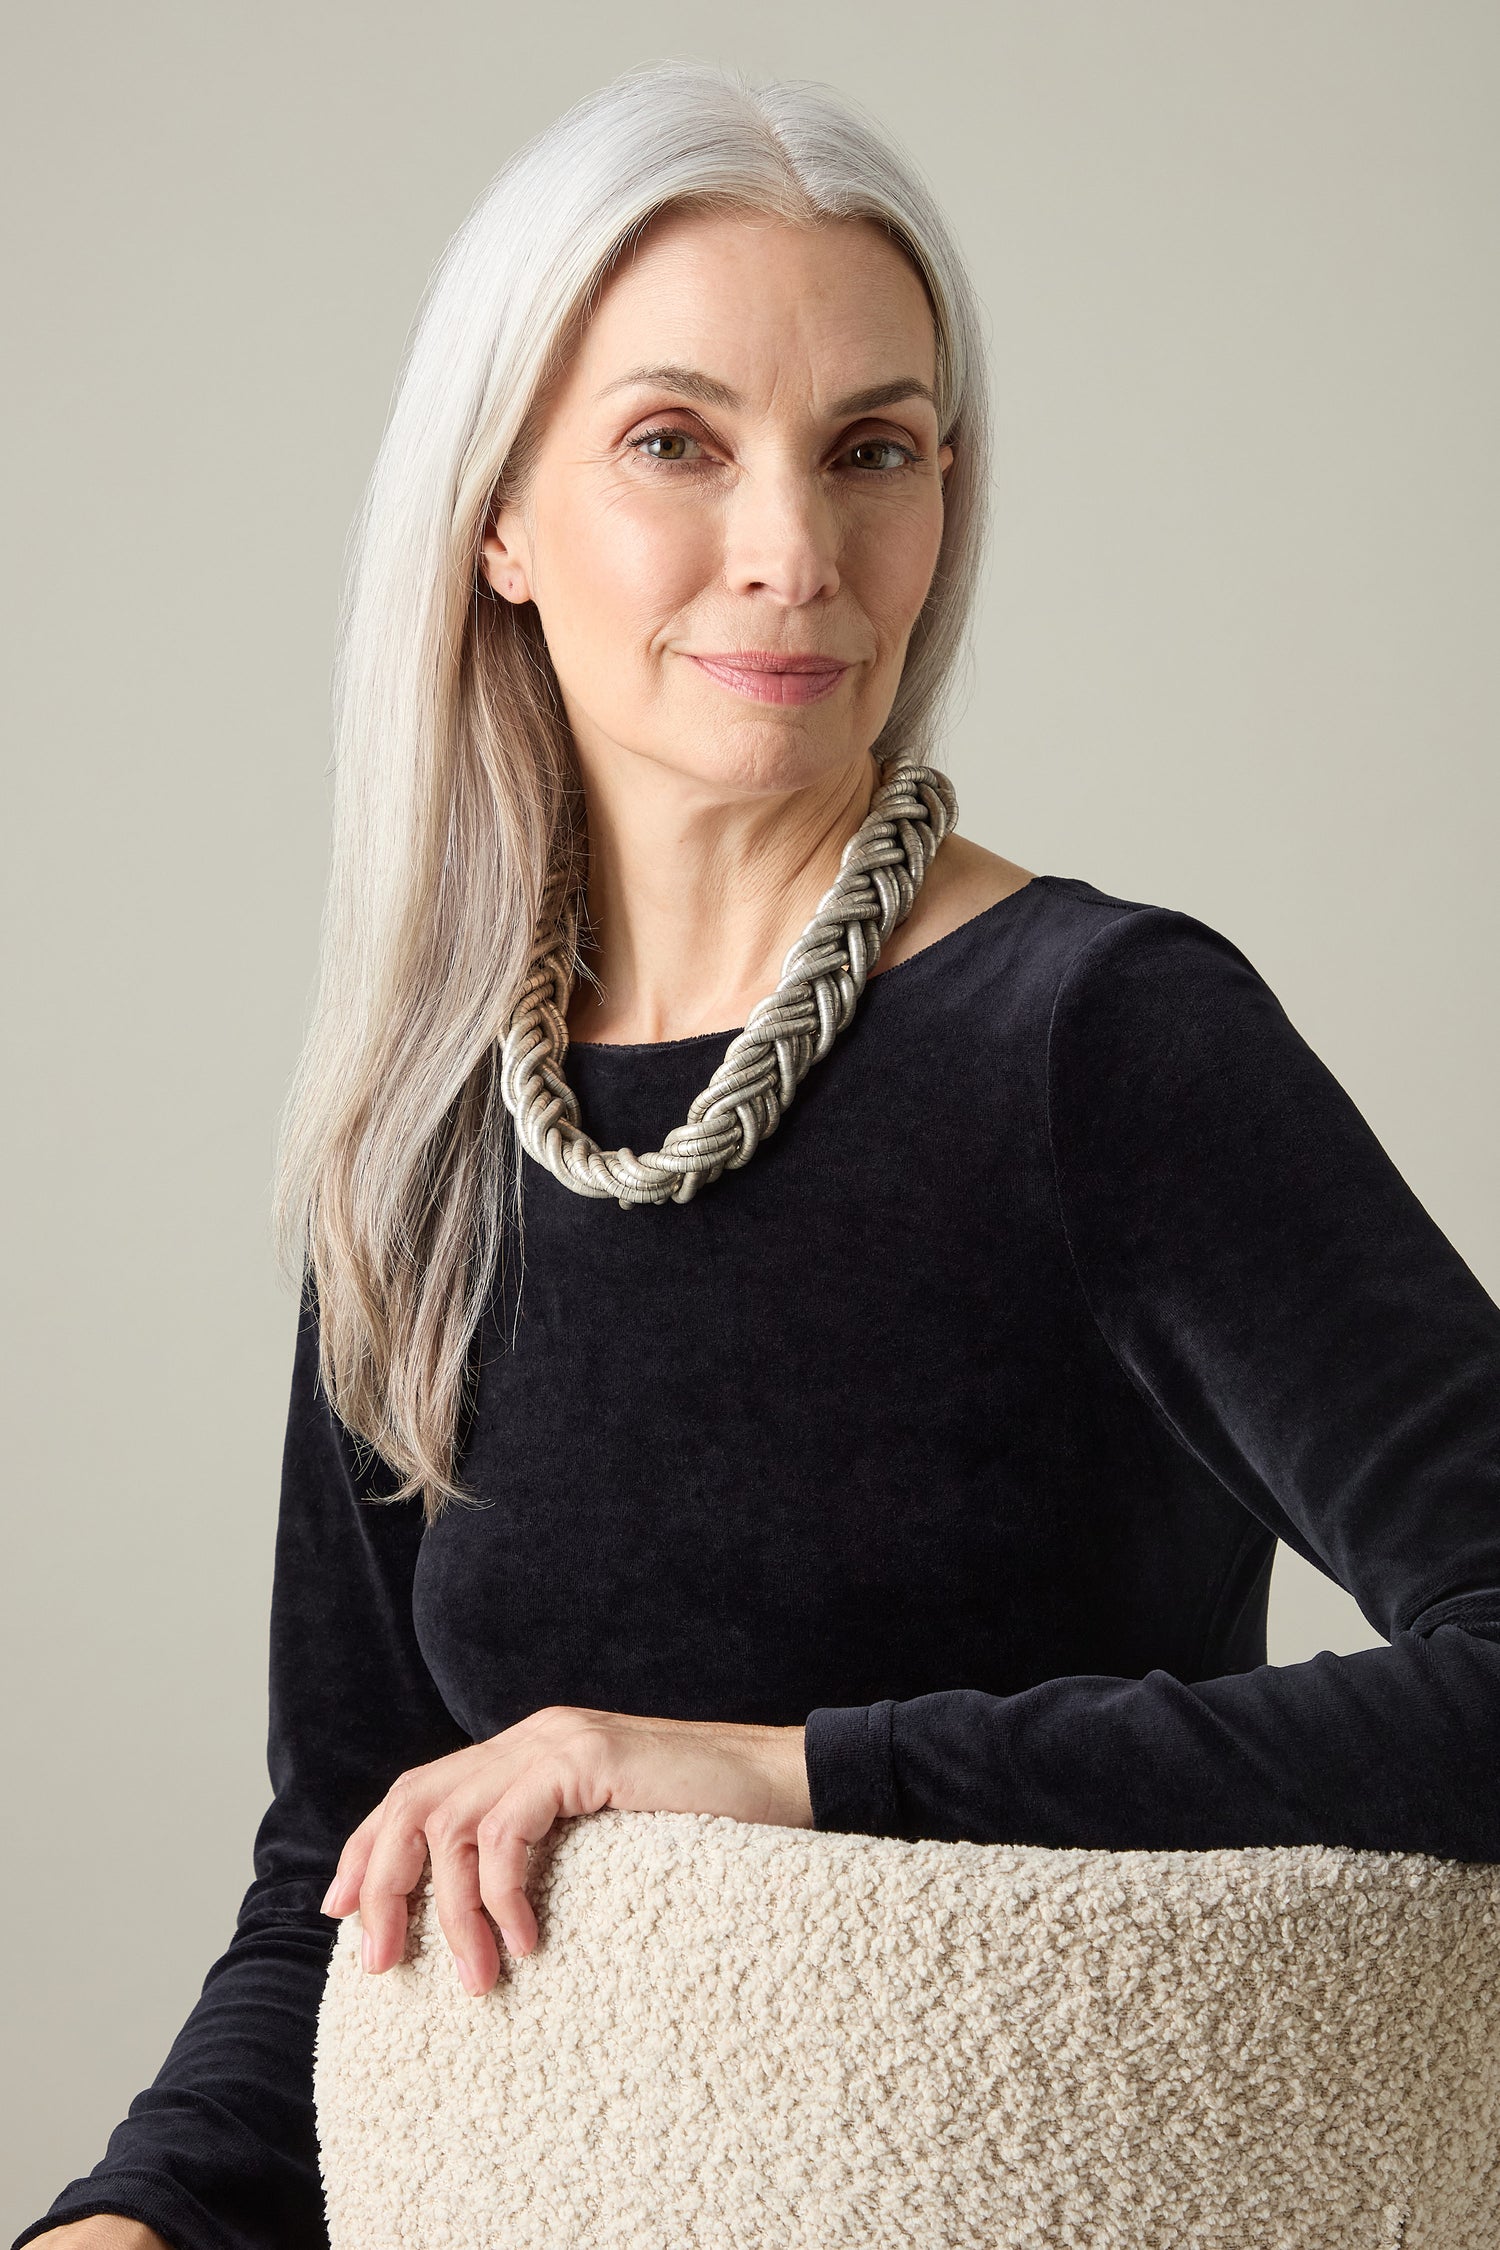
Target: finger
522,1817
451,1840
395,1862
343,1892
342,1895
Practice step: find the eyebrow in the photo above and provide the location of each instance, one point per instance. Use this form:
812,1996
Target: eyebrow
693,383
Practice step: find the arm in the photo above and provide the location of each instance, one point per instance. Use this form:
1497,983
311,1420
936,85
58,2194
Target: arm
220,2151
103,2232
1281,1300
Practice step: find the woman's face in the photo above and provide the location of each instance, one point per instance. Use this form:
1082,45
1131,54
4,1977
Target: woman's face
742,460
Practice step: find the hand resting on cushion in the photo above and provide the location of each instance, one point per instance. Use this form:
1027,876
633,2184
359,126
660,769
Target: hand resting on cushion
475,1812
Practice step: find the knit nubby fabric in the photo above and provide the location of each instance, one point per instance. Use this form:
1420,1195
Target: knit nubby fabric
740,2035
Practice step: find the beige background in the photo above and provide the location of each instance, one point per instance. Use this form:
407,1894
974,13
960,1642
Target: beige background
1236,654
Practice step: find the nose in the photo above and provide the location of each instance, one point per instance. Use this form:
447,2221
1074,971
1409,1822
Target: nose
781,535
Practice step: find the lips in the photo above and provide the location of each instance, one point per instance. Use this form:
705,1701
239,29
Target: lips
768,677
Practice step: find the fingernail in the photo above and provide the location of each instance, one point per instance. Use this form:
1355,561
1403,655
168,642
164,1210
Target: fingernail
327,1905
367,1950
470,1978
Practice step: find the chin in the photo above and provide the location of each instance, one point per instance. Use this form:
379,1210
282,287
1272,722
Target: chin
764,756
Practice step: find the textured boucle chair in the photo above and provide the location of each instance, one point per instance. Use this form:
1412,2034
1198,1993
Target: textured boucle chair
782,2038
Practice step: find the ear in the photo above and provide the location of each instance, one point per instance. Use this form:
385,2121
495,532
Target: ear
505,556
945,459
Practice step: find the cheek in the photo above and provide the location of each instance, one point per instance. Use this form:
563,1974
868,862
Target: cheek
621,568
889,564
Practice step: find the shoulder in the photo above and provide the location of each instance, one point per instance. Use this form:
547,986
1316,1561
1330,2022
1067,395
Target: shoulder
1130,974
1058,967
1072,927
1080,956
1144,1023
1168,1052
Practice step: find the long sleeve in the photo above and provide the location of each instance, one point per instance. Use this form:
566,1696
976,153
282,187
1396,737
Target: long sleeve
1282,1302
220,2151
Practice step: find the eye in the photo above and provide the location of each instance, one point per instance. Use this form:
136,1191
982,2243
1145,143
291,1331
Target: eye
908,456
651,438
665,436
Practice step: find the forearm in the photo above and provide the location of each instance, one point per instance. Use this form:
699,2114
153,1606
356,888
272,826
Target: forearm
106,2230
1391,1749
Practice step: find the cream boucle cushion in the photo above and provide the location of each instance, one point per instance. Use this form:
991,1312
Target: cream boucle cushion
738,2035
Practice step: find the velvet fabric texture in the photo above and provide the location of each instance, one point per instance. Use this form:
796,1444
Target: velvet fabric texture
960,1424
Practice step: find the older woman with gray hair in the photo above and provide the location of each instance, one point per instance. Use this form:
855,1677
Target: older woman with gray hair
803,1319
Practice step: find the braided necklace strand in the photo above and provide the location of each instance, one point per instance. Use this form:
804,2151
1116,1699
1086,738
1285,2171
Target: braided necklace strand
882,869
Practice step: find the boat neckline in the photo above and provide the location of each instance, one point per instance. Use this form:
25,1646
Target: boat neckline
875,982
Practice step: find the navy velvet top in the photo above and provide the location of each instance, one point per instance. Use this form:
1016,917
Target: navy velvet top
961,1424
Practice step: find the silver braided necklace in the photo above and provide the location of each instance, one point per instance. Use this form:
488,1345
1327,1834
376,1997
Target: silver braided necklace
881,871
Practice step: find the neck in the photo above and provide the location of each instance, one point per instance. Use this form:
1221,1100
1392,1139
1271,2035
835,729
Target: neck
697,892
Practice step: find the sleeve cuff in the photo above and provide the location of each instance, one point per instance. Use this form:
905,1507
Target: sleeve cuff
181,2223
851,1775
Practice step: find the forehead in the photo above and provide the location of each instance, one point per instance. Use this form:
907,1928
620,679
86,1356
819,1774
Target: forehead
728,292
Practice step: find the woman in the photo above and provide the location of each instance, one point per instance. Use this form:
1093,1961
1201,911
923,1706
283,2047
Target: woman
911,1460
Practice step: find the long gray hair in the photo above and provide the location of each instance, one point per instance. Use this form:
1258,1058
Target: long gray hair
455,784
